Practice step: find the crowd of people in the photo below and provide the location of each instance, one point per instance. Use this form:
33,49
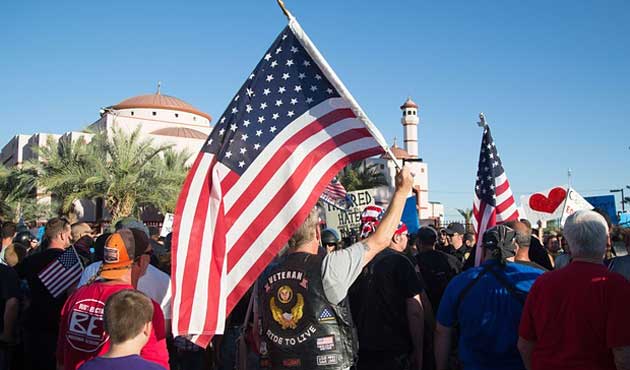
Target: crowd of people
74,297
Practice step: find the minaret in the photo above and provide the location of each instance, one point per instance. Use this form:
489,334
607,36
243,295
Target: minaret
410,122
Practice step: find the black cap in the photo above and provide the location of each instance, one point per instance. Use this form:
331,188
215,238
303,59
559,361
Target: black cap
501,241
455,227
427,235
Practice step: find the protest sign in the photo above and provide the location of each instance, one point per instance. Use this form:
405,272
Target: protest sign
167,225
574,202
545,205
349,219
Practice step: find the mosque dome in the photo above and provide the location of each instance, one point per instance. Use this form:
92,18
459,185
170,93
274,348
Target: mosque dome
159,101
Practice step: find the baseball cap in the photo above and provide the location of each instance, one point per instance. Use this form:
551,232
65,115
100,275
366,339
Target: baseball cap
455,227
120,250
132,223
427,235
401,229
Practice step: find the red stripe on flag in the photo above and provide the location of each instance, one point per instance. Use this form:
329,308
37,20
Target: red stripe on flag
216,271
505,205
229,181
502,188
284,195
279,157
276,245
195,240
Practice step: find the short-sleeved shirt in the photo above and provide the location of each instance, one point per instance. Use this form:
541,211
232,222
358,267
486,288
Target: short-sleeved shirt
9,288
576,315
134,362
43,312
82,334
488,315
378,300
340,269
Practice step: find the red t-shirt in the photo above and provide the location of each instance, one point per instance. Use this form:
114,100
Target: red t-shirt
82,334
576,315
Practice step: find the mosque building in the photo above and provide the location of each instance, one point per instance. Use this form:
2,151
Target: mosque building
409,156
163,119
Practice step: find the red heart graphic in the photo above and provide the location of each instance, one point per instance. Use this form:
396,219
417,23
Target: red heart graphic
539,202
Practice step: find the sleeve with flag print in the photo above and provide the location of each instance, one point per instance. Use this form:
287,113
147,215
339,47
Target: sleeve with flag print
493,202
282,138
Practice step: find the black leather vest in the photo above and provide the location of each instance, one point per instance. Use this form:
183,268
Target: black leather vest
300,328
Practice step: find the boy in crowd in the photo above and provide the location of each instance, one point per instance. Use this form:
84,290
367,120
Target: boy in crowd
127,318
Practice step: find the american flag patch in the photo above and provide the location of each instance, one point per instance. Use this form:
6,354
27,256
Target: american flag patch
326,315
326,343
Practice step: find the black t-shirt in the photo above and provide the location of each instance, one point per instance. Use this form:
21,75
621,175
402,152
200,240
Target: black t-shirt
9,288
538,254
378,301
45,310
437,269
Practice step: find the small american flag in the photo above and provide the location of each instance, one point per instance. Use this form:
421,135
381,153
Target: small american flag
290,128
494,203
335,190
61,273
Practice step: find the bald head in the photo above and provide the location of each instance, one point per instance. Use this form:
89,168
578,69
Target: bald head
523,233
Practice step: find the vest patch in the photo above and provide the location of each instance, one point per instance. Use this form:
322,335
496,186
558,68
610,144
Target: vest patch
291,362
324,360
326,315
326,343
292,341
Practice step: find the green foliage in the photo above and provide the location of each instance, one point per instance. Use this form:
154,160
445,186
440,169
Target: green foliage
467,214
17,186
359,176
129,173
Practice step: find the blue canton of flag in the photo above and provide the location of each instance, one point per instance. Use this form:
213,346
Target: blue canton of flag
326,315
61,273
285,84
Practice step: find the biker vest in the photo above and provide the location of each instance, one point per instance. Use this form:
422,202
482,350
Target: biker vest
300,328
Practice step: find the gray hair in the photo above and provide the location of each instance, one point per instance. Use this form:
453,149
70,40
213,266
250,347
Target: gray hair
587,234
306,232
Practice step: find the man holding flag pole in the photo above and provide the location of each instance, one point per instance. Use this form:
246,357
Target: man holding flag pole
287,132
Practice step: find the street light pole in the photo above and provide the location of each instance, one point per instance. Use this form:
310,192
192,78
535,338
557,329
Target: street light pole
623,199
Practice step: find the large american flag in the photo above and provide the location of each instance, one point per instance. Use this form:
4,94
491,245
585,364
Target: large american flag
290,128
493,203
62,272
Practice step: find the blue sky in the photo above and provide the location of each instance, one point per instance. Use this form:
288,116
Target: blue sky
553,77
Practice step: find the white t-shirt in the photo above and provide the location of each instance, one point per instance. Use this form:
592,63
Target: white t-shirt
154,283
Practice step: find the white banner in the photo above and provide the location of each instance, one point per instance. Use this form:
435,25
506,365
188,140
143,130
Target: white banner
574,202
545,205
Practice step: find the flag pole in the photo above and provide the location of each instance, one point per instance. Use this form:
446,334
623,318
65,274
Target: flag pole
482,120
284,9
337,84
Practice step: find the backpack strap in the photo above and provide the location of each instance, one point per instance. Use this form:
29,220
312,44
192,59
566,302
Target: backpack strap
467,288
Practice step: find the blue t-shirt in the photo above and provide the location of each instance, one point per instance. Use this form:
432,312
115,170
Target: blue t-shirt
488,316
134,362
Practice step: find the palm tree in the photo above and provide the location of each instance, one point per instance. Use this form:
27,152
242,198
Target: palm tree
127,172
467,215
359,176
16,189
